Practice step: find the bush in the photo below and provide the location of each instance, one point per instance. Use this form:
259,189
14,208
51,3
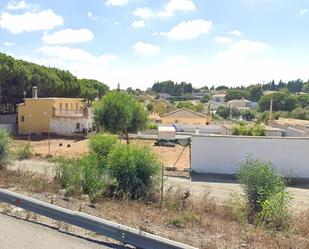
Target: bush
246,130
152,126
134,170
265,192
82,176
101,144
4,148
24,152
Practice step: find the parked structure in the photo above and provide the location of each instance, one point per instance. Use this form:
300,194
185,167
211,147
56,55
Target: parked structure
63,116
293,127
186,117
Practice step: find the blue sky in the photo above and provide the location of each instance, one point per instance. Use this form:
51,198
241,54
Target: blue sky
138,42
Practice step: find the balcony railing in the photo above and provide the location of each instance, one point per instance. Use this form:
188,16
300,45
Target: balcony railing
68,113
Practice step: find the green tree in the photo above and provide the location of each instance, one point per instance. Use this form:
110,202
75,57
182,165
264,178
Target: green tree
205,98
256,92
236,94
223,112
219,88
120,112
150,107
281,102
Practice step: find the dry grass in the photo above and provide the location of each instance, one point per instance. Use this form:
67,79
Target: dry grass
32,182
199,222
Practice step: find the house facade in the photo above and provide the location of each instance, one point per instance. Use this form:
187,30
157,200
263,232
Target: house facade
185,117
242,104
62,116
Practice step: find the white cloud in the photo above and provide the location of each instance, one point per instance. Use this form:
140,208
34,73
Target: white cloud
9,44
42,20
138,24
143,13
68,54
171,7
116,2
92,17
242,50
223,39
303,12
189,30
174,5
146,49
235,32
66,36
13,5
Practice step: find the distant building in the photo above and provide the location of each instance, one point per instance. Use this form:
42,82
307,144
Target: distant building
293,127
185,117
242,104
155,118
63,116
219,98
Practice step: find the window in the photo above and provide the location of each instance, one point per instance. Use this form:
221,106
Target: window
60,106
78,126
66,106
71,105
22,118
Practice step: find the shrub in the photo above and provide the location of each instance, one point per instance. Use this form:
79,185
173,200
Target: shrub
24,152
4,148
246,130
265,192
133,168
153,126
101,144
81,176
275,213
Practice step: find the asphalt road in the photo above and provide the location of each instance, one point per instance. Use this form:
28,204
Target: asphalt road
20,234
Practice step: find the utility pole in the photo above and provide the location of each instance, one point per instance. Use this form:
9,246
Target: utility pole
271,110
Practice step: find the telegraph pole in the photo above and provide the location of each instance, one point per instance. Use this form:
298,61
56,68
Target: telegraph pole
271,110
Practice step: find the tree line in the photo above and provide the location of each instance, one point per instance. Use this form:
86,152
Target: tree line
17,77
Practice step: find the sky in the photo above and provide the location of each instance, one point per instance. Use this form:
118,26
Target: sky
138,42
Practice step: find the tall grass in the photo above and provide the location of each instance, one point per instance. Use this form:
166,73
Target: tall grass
4,148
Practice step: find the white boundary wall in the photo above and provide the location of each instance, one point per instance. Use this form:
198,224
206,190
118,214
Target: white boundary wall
222,154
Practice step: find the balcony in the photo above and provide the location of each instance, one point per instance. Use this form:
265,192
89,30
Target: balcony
68,113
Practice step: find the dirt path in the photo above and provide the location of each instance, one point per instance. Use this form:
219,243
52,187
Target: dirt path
222,191
74,148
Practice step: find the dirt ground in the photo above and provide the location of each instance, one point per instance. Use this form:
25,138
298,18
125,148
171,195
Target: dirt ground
74,148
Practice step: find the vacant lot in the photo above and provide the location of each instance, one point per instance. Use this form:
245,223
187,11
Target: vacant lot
75,148
201,222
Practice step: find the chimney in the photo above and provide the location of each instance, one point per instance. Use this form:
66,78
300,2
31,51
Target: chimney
34,92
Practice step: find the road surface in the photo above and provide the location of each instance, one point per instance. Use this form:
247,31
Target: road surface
20,234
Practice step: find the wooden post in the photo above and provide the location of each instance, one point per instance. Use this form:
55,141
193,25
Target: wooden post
48,144
162,181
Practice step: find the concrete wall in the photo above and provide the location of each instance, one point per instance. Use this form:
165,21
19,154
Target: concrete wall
221,154
8,119
67,126
9,127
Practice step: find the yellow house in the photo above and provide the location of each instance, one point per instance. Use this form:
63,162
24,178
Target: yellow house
185,117
62,116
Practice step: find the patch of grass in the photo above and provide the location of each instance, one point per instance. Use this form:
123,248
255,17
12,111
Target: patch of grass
25,152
